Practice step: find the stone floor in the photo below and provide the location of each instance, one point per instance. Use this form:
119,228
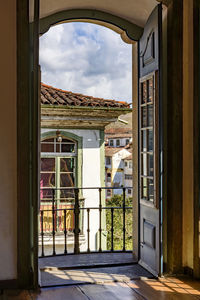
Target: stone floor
82,260
169,288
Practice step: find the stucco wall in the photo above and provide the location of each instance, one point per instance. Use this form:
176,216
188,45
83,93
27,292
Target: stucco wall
8,193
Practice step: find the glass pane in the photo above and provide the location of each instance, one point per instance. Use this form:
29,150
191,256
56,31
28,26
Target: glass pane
150,114
67,194
46,194
68,148
66,164
144,188
67,180
150,140
151,190
150,90
47,180
144,164
144,140
47,147
150,165
144,92
47,164
144,116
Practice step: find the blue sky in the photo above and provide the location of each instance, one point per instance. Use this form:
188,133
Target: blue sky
87,58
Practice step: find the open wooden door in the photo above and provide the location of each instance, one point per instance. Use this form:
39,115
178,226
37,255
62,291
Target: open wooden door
150,142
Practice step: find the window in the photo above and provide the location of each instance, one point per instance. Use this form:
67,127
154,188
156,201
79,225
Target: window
130,165
108,177
129,191
127,141
128,177
109,193
147,116
117,143
126,164
111,143
58,168
108,160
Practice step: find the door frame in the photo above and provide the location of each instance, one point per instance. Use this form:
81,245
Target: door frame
27,237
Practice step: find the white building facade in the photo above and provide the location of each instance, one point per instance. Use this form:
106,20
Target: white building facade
72,156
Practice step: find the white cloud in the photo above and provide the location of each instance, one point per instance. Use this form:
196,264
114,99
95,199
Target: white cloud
88,59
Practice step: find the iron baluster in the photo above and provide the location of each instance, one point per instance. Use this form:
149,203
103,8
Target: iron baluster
42,233
76,221
100,213
53,220
124,219
65,231
112,229
88,229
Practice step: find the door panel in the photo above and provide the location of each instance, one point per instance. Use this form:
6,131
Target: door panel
149,100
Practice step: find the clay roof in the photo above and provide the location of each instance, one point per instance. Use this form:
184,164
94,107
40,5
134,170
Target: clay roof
118,135
58,97
111,131
110,151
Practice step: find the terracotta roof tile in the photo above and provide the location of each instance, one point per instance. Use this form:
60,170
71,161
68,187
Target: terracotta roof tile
111,131
110,151
54,96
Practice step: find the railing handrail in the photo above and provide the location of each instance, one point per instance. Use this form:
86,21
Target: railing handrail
87,188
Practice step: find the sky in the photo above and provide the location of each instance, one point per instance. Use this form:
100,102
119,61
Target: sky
88,59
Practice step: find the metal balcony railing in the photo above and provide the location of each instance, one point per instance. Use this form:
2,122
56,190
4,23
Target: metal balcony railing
67,222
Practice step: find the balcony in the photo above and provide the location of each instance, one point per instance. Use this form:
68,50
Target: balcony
74,234
71,225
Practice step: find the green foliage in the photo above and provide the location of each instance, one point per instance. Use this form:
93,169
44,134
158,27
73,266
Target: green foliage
117,202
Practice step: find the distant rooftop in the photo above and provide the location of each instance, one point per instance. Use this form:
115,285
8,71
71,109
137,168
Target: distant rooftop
57,97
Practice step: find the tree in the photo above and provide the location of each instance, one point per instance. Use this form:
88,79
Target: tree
117,203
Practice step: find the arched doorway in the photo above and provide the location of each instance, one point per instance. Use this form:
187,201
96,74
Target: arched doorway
148,56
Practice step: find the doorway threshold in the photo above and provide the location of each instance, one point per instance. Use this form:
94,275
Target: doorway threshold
94,268
91,260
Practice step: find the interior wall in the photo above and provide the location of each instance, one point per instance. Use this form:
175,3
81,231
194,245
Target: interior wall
188,179
8,157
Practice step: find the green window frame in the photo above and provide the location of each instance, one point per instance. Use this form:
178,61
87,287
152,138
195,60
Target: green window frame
76,156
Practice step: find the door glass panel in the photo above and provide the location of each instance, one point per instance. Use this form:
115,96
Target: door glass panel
47,145
66,164
150,115
144,188
68,147
67,180
47,164
150,165
144,116
144,164
150,90
144,140
151,190
144,92
47,180
150,140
